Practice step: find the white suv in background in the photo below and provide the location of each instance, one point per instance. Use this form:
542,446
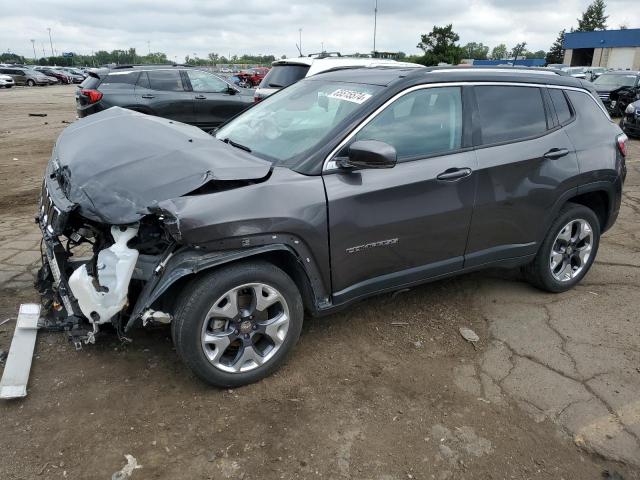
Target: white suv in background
286,72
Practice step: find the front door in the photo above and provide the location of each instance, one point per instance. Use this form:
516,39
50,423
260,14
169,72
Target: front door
392,227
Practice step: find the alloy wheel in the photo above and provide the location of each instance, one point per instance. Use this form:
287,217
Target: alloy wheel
571,250
245,327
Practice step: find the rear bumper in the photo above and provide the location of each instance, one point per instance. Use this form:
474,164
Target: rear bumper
86,110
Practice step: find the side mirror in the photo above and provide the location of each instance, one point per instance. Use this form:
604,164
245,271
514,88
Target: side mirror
232,91
370,154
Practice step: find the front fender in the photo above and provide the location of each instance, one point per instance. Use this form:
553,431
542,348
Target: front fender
190,261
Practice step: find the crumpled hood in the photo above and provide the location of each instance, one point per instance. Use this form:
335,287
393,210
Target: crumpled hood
117,164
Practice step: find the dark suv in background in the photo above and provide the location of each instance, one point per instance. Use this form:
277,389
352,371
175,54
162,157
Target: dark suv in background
343,185
179,93
617,89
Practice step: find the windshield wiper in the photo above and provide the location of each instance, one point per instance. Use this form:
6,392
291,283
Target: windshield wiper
275,85
236,144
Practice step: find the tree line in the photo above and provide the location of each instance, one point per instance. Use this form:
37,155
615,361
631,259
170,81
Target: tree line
130,56
441,44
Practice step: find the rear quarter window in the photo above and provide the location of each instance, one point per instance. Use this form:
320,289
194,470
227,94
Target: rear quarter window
90,82
284,75
509,113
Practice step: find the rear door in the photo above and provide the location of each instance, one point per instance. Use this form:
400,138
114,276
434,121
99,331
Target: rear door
525,163
163,93
214,101
395,226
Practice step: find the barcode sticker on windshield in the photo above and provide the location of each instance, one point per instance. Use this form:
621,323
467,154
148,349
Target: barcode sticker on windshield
350,95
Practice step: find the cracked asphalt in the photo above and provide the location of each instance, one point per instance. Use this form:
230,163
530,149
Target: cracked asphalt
385,390
573,358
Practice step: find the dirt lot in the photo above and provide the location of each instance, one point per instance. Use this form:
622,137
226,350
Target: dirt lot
552,391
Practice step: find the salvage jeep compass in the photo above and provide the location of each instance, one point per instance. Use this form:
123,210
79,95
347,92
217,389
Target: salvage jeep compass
341,186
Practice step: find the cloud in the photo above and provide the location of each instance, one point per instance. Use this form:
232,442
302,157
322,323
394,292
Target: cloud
271,26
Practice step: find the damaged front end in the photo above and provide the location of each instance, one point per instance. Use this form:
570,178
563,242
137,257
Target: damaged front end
105,241
91,272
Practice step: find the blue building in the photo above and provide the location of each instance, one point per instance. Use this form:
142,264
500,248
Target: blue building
619,49
524,62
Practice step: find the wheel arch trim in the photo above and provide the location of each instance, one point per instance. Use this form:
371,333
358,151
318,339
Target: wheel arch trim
190,261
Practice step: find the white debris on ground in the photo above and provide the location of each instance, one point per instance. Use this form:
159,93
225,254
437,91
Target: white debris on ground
127,470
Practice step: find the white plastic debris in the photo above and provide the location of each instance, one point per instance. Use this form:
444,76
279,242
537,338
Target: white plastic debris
469,335
127,470
115,268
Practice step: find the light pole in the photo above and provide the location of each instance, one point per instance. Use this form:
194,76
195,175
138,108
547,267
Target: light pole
375,25
50,41
300,41
33,44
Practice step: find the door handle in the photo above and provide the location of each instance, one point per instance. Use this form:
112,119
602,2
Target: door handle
555,153
452,174
200,97
148,96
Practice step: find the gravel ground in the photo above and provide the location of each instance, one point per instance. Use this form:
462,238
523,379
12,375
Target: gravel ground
550,393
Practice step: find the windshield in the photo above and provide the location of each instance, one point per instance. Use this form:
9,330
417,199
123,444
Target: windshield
295,120
615,80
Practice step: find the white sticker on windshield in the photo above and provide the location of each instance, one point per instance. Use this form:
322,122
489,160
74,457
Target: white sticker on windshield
350,95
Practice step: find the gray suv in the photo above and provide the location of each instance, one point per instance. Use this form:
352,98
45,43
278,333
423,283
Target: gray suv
344,185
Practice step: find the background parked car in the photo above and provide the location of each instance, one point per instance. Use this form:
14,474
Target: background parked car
630,122
76,75
25,76
6,81
181,93
617,89
53,72
286,72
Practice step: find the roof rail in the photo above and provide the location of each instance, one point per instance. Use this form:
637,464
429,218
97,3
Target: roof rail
324,54
132,65
500,68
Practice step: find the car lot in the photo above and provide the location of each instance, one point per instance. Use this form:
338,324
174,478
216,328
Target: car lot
387,389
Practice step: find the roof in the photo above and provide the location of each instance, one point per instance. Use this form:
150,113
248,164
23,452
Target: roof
387,75
603,39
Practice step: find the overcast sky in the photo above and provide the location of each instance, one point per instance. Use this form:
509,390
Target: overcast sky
185,27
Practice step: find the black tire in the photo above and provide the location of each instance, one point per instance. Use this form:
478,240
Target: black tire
539,273
31,83
199,296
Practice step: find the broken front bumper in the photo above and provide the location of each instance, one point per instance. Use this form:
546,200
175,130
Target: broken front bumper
97,293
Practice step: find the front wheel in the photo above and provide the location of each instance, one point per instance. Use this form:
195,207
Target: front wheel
237,325
568,250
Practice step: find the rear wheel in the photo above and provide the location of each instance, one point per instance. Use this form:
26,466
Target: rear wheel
568,250
236,325
31,83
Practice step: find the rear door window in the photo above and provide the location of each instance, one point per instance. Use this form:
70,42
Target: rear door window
510,113
167,80
121,79
284,75
560,104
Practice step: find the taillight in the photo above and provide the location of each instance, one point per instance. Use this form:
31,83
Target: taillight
622,144
93,95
